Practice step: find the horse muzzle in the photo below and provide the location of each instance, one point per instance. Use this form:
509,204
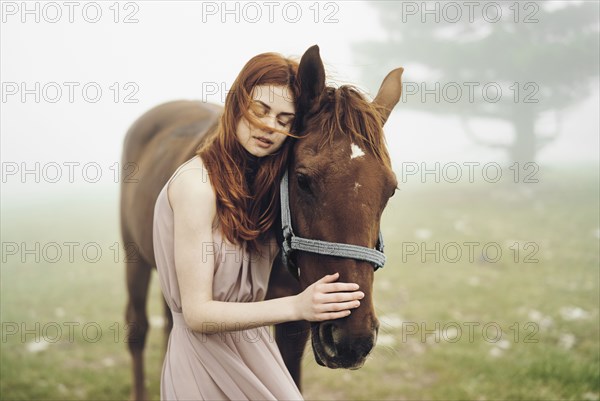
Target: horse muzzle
336,346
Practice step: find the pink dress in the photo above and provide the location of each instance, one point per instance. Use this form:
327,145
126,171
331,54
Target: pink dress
239,365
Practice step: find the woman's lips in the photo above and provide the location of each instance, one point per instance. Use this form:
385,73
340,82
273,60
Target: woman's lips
263,142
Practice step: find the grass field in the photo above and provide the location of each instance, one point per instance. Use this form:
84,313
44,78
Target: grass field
474,324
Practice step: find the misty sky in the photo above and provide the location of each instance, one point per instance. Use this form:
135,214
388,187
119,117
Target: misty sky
181,50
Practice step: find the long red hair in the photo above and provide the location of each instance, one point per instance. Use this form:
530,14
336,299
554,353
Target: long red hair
246,187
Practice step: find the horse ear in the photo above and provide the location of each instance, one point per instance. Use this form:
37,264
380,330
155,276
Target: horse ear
311,76
389,93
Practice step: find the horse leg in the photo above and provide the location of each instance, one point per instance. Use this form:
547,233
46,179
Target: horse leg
138,279
291,337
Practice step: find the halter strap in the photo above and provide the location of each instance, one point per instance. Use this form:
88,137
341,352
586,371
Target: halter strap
292,242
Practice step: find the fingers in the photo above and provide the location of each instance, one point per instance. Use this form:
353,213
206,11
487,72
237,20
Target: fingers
331,315
329,278
336,302
341,296
337,287
333,300
337,307
337,310
326,284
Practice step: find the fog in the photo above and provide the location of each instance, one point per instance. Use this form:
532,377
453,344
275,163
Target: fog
76,75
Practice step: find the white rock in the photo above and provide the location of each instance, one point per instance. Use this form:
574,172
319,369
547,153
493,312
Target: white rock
496,352
423,233
37,346
566,340
573,313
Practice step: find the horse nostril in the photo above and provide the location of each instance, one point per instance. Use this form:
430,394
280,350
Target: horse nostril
367,346
327,334
347,348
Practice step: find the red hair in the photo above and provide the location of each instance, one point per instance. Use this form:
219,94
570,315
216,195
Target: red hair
246,187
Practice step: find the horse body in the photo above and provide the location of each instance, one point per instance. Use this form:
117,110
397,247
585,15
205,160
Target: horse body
156,144
337,194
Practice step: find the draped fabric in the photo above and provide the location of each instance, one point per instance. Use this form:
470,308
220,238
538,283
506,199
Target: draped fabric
237,365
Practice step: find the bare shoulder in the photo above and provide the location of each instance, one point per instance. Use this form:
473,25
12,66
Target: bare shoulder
191,191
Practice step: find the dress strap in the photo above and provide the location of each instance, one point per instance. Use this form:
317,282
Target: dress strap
181,169
177,173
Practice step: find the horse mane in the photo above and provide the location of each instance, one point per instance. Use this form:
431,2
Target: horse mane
345,111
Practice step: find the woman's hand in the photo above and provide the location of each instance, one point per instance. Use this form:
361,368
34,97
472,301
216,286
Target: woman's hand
325,299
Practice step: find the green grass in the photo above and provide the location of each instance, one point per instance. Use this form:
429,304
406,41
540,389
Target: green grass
551,357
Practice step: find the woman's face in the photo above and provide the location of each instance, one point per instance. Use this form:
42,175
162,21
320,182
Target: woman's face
272,105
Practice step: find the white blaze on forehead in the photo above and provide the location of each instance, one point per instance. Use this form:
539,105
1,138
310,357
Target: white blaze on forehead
356,151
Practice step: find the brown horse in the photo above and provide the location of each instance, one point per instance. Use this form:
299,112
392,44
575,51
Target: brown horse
340,181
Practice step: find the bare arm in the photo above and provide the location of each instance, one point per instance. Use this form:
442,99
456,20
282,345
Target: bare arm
194,207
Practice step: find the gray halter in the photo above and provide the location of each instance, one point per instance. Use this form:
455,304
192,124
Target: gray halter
292,242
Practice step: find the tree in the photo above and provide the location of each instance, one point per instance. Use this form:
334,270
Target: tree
503,60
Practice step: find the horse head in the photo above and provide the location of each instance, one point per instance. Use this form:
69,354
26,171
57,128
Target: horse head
340,180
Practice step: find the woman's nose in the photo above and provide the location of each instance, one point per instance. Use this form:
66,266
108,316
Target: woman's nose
270,121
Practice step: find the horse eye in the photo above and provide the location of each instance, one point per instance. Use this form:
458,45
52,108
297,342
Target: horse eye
303,182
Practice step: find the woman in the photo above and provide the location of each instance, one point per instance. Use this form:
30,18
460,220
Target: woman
214,249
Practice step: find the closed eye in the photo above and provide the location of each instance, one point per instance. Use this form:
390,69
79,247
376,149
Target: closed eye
284,123
259,110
